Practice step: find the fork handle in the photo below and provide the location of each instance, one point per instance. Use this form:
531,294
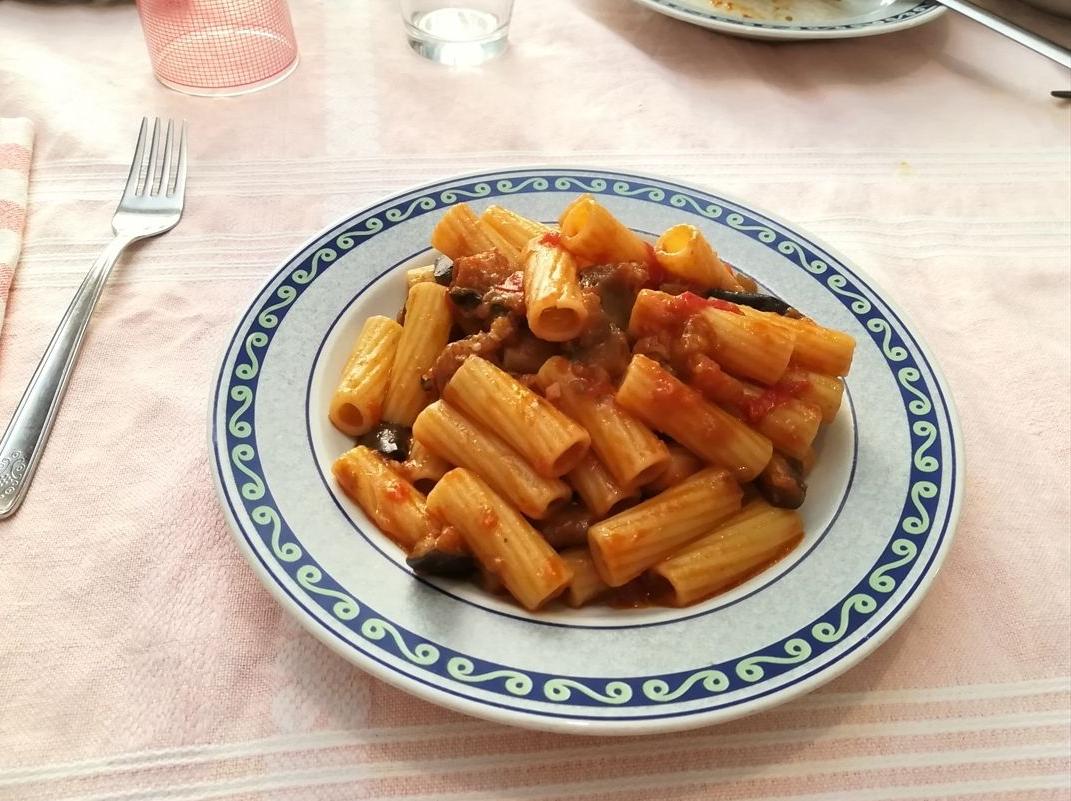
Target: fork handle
26,434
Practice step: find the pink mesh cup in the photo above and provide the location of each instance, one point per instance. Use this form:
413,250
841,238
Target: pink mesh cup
219,47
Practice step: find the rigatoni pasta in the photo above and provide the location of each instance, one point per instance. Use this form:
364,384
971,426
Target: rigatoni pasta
628,543
684,252
423,465
357,402
504,543
738,547
393,503
586,583
591,232
681,464
551,442
459,233
596,487
629,449
424,335
668,405
450,435
744,345
510,226
816,348
589,411
555,307
819,390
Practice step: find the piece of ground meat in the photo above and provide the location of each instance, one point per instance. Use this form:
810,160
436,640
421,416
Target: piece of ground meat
617,286
526,353
481,271
486,344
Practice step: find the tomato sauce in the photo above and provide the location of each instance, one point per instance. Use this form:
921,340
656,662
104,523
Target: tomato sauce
655,274
756,408
397,491
513,283
551,238
688,304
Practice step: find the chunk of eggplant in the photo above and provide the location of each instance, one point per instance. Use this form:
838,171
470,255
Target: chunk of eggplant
444,271
389,439
756,300
464,297
781,483
441,553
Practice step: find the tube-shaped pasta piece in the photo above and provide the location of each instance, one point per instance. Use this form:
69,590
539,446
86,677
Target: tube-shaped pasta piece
749,347
357,402
423,465
502,541
418,275
774,412
511,227
392,502
458,233
425,334
790,424
819,390
596,487
628,543
667,405
628,448
586,584
682,463
731,553
458,440
555,306
817,348
683,251
590,232
530,424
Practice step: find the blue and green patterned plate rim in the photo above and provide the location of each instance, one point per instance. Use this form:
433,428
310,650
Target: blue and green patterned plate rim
887,18
674,670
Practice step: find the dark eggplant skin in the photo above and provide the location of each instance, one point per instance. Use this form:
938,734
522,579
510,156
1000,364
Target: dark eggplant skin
756,300
465,298
392,441
442,563
429,557
444,271
781,483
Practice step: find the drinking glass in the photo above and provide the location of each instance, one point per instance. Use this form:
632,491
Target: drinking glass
457,32
219,47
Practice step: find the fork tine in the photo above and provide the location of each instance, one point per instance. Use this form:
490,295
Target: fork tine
135,165
152,172
165,163
180,167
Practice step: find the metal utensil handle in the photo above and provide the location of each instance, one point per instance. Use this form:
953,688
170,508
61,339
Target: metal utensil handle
1038,44
26,434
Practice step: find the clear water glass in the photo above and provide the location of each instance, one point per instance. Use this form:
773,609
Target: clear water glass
461,33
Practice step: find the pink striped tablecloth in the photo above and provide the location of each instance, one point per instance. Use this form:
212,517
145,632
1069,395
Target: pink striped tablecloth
139,657
16,151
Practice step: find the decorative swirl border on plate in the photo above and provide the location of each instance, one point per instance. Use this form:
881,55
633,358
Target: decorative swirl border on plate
925,7
708,681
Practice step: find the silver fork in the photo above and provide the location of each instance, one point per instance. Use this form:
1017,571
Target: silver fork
151,204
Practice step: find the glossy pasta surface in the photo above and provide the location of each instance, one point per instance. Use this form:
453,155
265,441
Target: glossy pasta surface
574,415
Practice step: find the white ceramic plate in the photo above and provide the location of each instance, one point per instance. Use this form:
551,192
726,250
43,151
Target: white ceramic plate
879,516
801,19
